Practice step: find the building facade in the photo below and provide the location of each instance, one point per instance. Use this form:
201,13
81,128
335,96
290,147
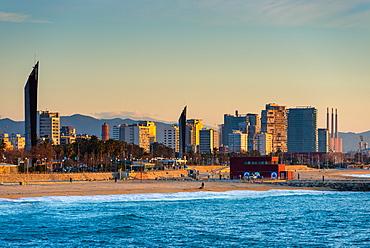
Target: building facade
193,128
18,141
67,135
274,121
115,132
323,139
238,142
171,137
30,108
302,129
231,123
253,130
136,134
182,133
152,130
267,167
208,140
4,138
50,126
264,143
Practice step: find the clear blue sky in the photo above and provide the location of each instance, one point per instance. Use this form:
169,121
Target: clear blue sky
150,58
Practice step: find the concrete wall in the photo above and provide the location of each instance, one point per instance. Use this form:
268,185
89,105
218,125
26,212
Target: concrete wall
52,177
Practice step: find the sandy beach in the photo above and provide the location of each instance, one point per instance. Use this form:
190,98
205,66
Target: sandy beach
14,191
127,187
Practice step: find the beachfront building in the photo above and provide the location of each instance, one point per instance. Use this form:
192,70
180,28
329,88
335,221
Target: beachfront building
238,142
264,143
267,167
50,126
171,137
274,121
302,129
208,140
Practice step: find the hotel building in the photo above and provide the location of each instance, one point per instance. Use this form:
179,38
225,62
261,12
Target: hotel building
274,121
50,126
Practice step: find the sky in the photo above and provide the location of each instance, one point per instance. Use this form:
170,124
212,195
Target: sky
146,58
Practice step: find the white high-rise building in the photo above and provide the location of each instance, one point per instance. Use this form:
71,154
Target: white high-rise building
50,126
238,142
171,137
264,143
115,134
136,134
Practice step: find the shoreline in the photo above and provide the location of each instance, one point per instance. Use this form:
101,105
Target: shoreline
134,187
101,184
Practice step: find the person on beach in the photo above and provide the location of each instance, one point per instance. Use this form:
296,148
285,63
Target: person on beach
202,186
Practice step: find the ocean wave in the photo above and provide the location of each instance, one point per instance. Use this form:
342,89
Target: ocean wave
171,196
358,175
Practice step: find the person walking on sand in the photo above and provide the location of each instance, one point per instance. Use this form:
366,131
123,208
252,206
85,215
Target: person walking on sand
202,186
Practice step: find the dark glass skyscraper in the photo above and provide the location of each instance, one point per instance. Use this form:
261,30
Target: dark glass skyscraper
182,133
30,107
302,130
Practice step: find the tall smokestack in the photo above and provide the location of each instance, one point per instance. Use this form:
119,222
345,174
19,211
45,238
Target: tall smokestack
236,113
332,124
336,123
327,118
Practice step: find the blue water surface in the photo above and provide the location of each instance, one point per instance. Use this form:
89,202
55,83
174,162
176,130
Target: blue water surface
276,218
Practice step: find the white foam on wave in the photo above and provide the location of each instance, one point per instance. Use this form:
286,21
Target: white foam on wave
170,196
358,175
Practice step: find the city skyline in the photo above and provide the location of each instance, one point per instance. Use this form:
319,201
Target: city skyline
109,58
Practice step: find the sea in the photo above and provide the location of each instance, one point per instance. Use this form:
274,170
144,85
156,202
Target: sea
274,218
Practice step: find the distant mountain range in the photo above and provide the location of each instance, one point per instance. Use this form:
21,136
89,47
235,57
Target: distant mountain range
92,126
